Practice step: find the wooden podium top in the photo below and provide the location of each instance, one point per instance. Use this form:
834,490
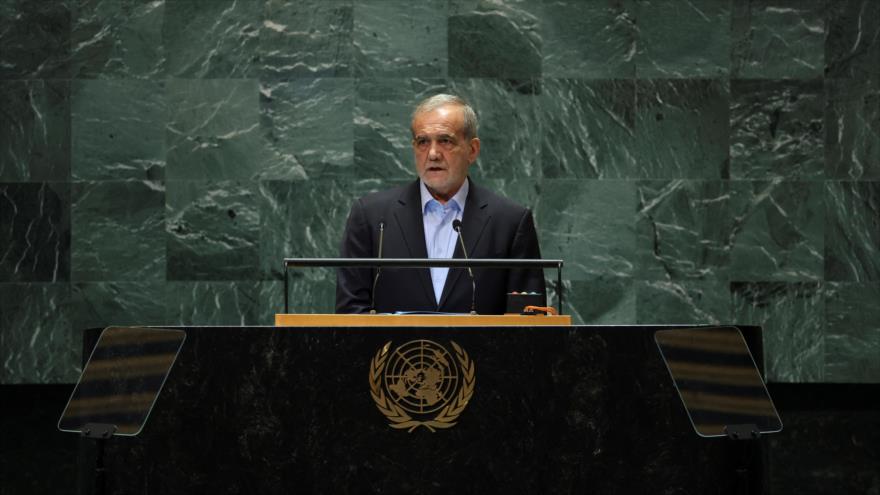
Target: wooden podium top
367,320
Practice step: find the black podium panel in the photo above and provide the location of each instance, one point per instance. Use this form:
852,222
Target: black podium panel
554,410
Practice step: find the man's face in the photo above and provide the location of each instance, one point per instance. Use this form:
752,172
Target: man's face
443,154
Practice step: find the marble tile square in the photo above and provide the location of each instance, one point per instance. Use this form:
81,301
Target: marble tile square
680,38
602,300
212,230
35,131
852,232
382,125
117,39
400,38
212,130
682,302
306,38
852,43
593,39
35,37
218,303
104,304
852,129
777,232
306,219
118,130
852,342
589,224
793,318
682,230
588,128
494,39
681,128
118,231
509,128
36,342
211,38
776,39
776,129
35,232
308,128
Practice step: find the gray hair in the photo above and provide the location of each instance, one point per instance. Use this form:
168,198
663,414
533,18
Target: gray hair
439,100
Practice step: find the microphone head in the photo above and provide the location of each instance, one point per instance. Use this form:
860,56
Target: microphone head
456,225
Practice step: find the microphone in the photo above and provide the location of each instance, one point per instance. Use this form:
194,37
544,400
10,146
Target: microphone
378,269
456,225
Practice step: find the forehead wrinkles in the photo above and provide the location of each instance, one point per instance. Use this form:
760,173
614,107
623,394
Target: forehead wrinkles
446,119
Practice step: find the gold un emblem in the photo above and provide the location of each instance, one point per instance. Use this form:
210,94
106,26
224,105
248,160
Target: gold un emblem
421,383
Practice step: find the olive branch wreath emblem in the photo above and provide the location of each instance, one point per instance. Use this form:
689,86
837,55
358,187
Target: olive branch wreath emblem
399,418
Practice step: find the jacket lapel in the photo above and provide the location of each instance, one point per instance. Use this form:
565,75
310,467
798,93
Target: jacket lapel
412,230
476,216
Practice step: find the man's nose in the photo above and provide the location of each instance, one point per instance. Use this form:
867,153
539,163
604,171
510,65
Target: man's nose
433,152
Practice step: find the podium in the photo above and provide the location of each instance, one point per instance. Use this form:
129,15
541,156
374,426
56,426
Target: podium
546,409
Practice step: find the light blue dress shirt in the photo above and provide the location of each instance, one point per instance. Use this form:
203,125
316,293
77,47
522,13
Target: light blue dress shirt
440,237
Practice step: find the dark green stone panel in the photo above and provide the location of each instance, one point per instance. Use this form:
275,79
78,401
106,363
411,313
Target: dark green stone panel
217,303
118,130
681,129
494,39
852,129
36,343
599,301
35,131
852,45
306,38
681,38
211,38
589,224
118,231
382,118
117,39
682,230
592,39
509,129
776,39
852,233
400,38
34,232
588,128
776,129
213,129
310,291
212,230
306,219
777,231
683,302
793,318
852,344
35,39
104,304
307,124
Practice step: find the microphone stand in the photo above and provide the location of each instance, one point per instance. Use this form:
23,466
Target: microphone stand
378,269
456,224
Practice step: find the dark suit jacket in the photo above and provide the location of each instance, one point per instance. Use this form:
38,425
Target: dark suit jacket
492,227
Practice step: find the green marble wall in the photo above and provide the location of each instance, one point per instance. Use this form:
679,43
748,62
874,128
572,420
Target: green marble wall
703,161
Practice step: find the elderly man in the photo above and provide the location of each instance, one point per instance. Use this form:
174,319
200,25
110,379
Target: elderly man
416,221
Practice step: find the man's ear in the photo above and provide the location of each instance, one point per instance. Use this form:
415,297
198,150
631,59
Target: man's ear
475,149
